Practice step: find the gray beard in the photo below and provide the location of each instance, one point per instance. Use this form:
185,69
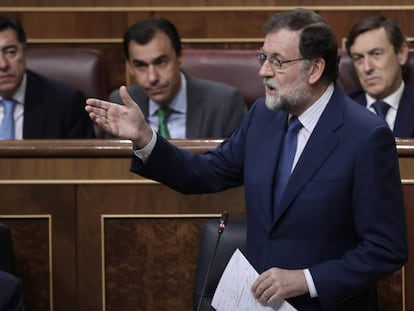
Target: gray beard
275,103
294,101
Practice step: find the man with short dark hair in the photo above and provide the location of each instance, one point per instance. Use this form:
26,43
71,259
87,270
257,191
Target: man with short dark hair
175,104
379,52
33,106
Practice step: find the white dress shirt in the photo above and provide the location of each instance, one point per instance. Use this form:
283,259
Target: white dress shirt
176,122
393,101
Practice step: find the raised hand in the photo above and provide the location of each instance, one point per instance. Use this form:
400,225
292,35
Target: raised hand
124,121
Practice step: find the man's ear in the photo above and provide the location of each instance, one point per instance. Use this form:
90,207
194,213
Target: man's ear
129,67
316,70
180,61
403,54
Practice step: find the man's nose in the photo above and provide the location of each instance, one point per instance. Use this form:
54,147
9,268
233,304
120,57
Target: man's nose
4,62
367,64
266,70
152,73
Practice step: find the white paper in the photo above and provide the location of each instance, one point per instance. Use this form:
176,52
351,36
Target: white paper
233,291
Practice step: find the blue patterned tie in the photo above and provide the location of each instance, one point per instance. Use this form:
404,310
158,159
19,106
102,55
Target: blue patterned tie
286,157
7,125
381,108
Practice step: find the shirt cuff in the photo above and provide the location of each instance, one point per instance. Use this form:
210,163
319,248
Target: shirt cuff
311,285
144,153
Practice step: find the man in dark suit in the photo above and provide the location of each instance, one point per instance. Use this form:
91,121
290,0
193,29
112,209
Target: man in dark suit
11,297
322,234
197,108
379,52
42,108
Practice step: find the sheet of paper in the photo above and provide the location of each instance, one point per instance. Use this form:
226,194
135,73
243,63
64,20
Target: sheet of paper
233,291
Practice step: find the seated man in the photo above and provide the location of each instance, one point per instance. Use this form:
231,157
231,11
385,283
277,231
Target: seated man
174,104
11,296
32,106
379,50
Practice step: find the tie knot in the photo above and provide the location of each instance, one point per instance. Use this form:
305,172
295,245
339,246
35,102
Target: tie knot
381,108
164,112
8,105
294,125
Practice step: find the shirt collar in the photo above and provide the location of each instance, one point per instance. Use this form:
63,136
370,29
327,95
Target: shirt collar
311,116
393,100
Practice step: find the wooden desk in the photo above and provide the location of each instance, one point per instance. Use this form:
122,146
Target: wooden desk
90,235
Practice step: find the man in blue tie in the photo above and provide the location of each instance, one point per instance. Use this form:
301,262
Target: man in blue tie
33,106
379,51
337,225
7,124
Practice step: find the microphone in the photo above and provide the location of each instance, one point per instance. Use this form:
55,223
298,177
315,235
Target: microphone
222,225
223,221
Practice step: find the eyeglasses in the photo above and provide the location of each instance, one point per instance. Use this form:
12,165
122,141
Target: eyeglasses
276,63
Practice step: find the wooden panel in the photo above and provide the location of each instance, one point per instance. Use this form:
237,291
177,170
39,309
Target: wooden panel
30,241
155,204
202,24
194,25
43,229
202,3
390,292
151,261
409,268
88,233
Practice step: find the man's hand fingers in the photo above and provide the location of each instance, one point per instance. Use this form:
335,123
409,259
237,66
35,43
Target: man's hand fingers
126,99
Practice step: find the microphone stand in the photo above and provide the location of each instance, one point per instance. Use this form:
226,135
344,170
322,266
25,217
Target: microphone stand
223,222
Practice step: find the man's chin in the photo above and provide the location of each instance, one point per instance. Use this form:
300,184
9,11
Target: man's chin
272,103
159,99
7,90
375,94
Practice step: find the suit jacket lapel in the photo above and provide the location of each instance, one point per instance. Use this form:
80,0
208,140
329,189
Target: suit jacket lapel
195,110
34,110
318,148
268,149
404,125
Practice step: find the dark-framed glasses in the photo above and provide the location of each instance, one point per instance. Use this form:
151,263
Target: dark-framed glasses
275,63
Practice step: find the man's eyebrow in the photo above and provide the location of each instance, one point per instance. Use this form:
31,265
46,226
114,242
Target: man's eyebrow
7,47
271,55
152,61
377,49
159,58
373,50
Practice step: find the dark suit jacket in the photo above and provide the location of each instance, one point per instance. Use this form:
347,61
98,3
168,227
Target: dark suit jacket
404,122
214,110
11,297
53,110
341,215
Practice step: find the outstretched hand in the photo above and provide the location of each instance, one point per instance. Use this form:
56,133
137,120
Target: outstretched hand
124,121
